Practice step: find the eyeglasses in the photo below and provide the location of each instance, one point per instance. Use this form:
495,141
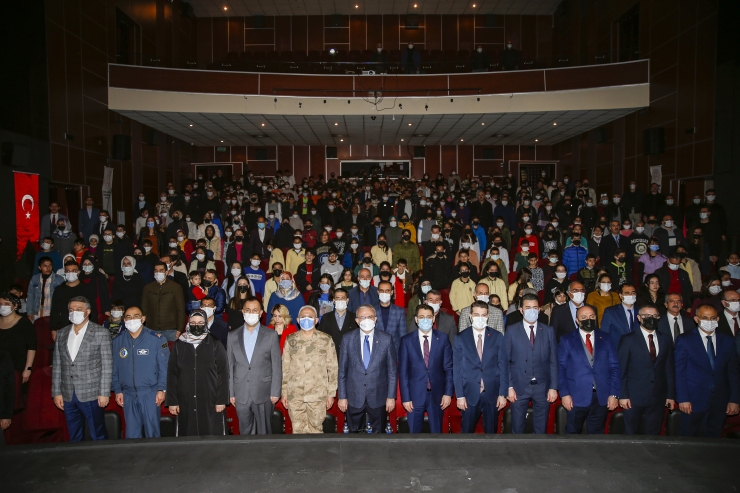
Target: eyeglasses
366,318
577,290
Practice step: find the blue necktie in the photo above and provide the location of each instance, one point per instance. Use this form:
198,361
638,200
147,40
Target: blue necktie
710,351
366,353
632,320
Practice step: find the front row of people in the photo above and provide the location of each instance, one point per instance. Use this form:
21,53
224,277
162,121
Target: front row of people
483,369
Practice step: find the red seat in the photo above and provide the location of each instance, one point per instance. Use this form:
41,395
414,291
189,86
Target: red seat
44,343
573,277
541,296
512,277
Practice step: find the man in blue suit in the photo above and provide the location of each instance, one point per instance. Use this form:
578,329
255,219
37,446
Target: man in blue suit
707,376
533,367
363,293
425,372
648,383
481,372
588,374
621,319
367,373
87,219
676,322
391,317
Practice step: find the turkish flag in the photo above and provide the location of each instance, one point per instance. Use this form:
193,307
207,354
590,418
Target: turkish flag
26,210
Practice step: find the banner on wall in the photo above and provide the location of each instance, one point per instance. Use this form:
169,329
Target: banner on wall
107,188
26,210
656,175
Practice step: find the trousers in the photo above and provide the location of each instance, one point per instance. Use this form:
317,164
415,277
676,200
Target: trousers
142,413
77,413
433,409
594,415
537,393
307,417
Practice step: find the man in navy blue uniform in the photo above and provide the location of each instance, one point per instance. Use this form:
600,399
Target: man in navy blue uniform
140,359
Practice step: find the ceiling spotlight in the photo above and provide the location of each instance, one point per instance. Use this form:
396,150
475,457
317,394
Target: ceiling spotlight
191,124
536,140
482,123
226,8
555,124
473,5
401,140
462,140
410,124
335,124
332,51
341,140
357,6
416,5
222,141
263,124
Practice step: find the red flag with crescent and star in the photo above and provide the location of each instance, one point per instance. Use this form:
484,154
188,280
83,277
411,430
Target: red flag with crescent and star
26,210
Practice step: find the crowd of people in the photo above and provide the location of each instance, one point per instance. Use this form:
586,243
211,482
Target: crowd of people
262,292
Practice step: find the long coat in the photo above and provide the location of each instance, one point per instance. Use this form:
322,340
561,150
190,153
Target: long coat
197,381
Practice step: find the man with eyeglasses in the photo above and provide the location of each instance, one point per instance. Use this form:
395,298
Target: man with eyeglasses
563,317
707,376
140,360
647,374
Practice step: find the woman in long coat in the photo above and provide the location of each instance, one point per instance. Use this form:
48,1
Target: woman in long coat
198,380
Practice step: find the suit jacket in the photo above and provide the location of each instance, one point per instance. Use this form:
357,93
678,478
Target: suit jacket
576,376
355,300
664,276
696,382
257,245
90,374
518,350
328,325
643,381
47,227
413,373
396,324
665,325
469,369
446,323
608,246
86,224
562,321
261,378
374,384
724,325
615,323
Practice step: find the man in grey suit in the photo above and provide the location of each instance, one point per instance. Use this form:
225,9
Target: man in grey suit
443,322
367,373
255,371
49,221
82,372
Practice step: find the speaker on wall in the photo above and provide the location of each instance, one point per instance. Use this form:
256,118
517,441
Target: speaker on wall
151,137
419,151
412,21
331,153
653,141
121,150
15,155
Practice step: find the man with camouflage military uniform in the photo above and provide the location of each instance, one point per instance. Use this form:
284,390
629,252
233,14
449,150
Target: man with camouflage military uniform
309,374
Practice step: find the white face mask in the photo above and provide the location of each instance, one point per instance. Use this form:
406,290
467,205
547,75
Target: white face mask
46,246
630,299
708,325
209,311
715,289
669,224
340,305
384,297
236,272
365,283
560,275
435,306
127,271
120,234
605,286
87,268
173,244
116,313
479,322
251,319
6,310
339,234
480,50
132,325
734,306
159,276
435,236
255,263
77,317
297,246
367,325
394,224
578,298
411,47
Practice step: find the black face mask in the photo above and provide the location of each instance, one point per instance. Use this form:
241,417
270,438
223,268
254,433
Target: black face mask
367,260
239,238
197,330
276,273
243,289
465,274
493,275
576,242
588,325
406,237
206,283
649,323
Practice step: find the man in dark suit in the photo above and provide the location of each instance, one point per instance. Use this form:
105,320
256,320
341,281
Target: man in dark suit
340,321
729,319
259,237
588,375
481,372
647,374
533,367
391,317
676,322
142,204
363,293
255,371
425,372
673,279
563,317
613,241
87,219
354,218
367,373
707,376
373,230
49,221
621,319
103,223
443,321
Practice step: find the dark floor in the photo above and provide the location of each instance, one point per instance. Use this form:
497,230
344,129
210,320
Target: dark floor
376,463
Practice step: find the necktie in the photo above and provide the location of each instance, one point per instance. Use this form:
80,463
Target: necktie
653,353
710,351
426,359
479,345
676,329
632,320
531,335
366,353
589,346
53,219
737,329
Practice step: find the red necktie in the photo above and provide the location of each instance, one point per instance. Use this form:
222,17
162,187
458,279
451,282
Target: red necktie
653,353
589,346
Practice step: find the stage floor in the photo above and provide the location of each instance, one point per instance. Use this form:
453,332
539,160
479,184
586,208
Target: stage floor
331,463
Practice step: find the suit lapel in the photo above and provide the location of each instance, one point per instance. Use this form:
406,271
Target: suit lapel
86,338
65,342
242,350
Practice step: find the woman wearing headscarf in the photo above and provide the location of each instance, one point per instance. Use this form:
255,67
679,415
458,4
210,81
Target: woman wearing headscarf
97,282
287,294
198,380
127,287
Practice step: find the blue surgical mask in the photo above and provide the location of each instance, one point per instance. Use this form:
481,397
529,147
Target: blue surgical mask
324,286
286,284
654,248
531,314
306,323
426,289
425,324
261,225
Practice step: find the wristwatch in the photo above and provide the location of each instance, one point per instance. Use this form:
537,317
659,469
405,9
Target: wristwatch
29,369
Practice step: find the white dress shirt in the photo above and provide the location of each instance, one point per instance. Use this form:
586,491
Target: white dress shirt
362,342
583,337
75,340
421,340
476,333
527,329
672,320
731,321
704,339
261,233
654,333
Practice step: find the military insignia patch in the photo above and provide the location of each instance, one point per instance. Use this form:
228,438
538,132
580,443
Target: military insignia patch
123,352
164,345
